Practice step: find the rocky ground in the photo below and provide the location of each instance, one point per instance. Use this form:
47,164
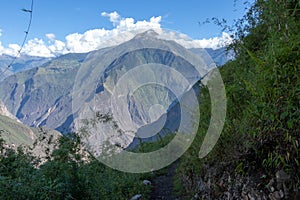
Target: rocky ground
218,184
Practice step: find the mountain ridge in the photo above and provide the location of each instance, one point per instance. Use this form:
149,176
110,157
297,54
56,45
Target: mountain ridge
44,96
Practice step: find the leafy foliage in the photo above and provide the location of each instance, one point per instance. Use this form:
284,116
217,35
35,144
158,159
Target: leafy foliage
261,132
67,175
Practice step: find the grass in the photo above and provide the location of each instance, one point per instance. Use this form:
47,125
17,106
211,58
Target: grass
16,133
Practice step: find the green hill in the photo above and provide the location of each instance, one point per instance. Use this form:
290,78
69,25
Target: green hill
14,132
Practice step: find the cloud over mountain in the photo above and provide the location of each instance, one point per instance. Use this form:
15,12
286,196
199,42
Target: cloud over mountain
123,30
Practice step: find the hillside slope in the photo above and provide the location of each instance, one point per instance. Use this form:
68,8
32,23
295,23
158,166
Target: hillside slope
14,132
257,155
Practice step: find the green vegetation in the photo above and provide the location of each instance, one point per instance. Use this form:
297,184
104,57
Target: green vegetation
14,132
154,146
67,175
261,134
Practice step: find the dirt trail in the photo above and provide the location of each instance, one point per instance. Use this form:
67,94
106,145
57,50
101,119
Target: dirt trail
162,188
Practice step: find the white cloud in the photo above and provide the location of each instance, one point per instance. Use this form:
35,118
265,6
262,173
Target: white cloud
37,47
50,36
123,30
57,47
213,43
114,17
12,50
1,48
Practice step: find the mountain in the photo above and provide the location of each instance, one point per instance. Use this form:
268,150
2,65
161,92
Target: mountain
4,111
22,63
15,133
12,130
41,140
220,56
66,91
37,94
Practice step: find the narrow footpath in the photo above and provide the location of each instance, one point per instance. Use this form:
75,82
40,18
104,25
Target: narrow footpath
162,188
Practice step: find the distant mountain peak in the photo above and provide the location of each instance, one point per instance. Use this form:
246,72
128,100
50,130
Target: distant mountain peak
148,33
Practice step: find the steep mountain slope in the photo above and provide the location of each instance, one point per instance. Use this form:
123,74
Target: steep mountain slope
4,111
220,56
74,87
41,140
14,132
36,94
119,85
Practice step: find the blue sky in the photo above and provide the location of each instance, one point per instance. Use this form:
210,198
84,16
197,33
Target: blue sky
65,17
